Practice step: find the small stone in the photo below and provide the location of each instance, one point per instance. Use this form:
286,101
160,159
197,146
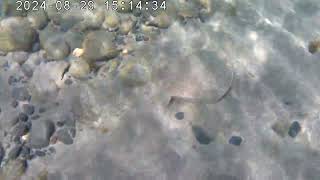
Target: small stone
294,129
20,94
57,48
35,117
2,153
281,128
16,34
20,129
14,103
15,152
40,153
201,135
42,110
40,133
25,152
12,80
23,117
79,68
314,46
179,115
28,109
60,123
139,37
68,82
132,74
52,150
64,135
235,140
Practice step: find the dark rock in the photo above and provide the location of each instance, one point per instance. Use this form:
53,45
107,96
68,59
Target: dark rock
12,80
294,129
139,37
15,152
14,103
201,135
28,109
42,110
35,117
52,150
27,71
2,153
179,115
65,136
235,140
68,120
25,152
20,129
60,123
68,82
40,133
20,94
40,153
23,117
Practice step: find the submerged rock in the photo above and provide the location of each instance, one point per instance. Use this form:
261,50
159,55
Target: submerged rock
40,133
133,74
99,45
56,48
294,129
314,46
79,68
16,34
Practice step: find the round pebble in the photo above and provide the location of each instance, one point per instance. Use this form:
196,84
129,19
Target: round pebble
40,153
294,129
28,109
23,117
68,82
235,140
25,152
64,136
179,115
12,80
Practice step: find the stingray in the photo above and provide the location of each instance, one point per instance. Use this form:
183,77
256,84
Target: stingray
197,100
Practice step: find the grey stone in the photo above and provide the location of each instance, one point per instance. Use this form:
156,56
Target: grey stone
14,169
235,140
16,34
57,48
179,115
65,136
294,129
23,117
2,153
28,109
25,152
40,133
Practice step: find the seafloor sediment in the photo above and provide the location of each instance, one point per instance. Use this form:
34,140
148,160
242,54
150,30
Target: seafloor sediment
87,94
